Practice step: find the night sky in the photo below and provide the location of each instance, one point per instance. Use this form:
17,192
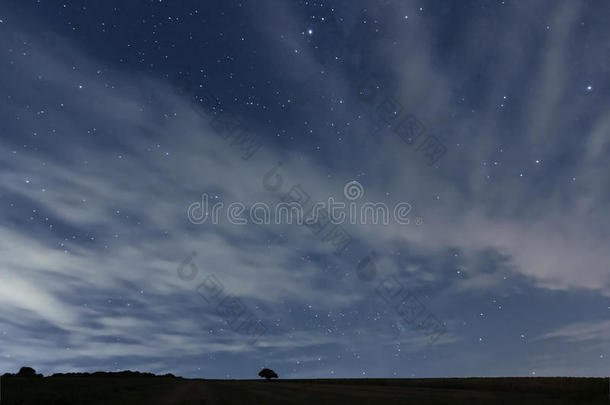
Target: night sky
489,118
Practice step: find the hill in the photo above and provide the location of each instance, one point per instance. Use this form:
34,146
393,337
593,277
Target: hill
132,387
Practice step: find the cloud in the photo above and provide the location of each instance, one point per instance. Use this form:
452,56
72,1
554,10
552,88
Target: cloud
99,164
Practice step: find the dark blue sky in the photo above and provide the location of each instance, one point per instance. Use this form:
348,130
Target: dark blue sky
490,118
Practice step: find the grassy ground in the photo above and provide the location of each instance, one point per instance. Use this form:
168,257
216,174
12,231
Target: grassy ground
166,390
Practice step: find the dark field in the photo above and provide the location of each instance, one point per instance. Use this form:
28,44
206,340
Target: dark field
167,390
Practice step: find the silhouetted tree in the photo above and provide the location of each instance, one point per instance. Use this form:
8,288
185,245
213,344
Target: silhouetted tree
28,372
267,373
